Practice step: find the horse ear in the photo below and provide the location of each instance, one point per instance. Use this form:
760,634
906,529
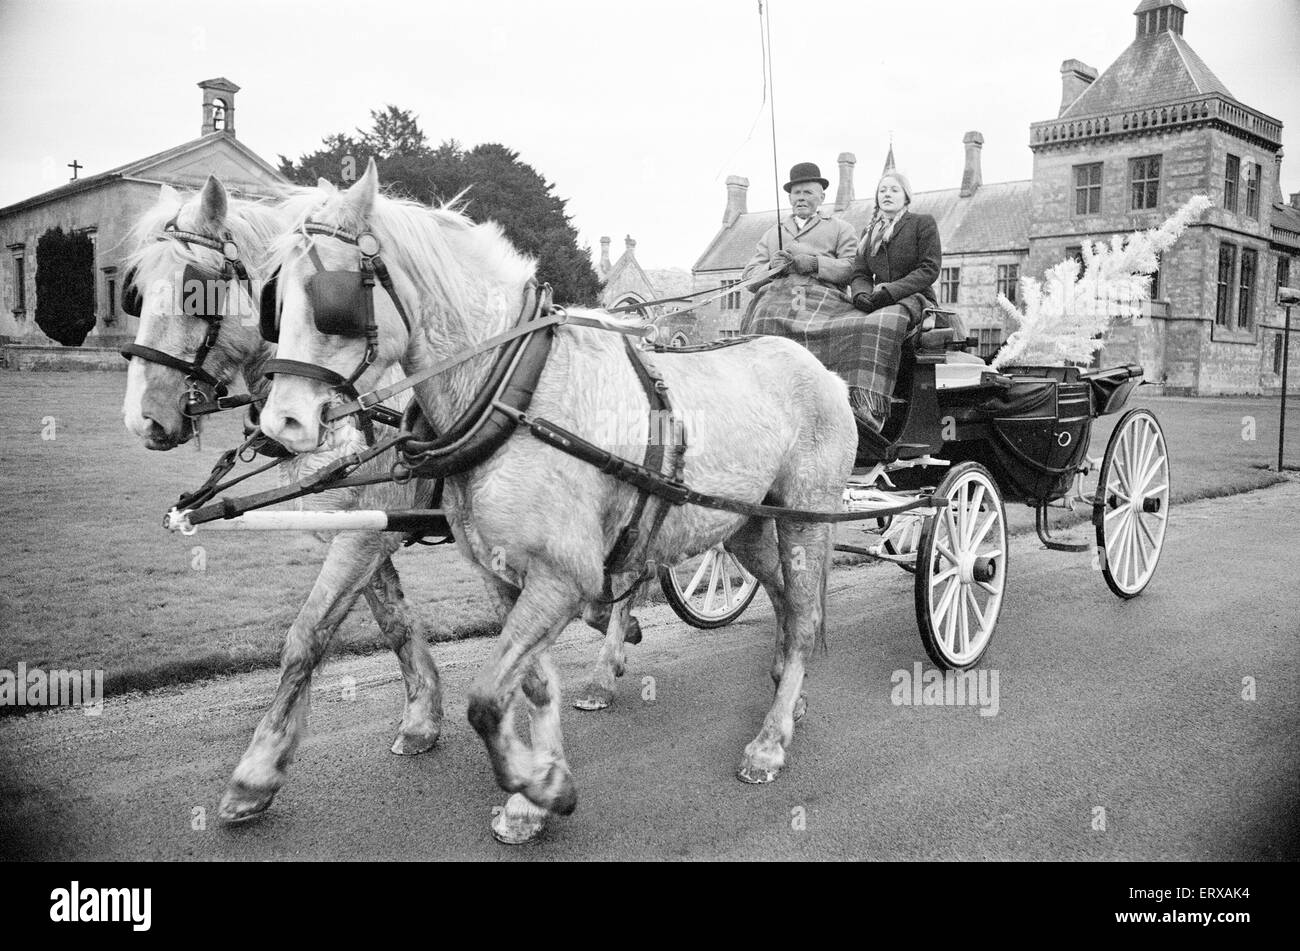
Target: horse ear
361,196
325,185
213,201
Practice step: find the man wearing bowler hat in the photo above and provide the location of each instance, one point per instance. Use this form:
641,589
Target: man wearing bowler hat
811,246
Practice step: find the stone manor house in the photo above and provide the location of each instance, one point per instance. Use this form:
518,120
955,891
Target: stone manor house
1128,147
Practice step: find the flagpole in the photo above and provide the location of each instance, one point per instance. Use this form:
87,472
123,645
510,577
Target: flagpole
765,24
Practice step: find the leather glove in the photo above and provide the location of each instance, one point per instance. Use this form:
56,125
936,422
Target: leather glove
804,263
871,302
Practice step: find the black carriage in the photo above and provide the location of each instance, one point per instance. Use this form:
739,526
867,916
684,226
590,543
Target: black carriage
971,438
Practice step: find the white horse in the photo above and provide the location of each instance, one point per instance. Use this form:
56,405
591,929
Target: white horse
769,423
358,563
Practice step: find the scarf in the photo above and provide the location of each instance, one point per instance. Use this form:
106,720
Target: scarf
880,230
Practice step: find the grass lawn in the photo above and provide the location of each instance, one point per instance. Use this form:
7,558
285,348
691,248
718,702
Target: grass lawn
92,580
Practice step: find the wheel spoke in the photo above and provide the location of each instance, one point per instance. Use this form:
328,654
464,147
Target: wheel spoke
1150,473
939,547
952,529
979,615
944,575
1120,467
713,584
705,562
965,620
971,515
1148,452
1151,541
726,580
942,610
978,535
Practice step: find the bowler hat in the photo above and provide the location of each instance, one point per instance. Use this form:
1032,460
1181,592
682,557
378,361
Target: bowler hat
806,172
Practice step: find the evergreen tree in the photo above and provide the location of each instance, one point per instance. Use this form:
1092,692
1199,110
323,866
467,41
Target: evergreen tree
500,187
65,286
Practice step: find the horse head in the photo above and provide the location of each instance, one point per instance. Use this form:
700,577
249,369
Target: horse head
449,283
197,315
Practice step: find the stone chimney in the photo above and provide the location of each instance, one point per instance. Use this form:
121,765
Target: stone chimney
630,243
218,106
1075,78
737,190
1295,200
972,178
604,256
1277,179
844,191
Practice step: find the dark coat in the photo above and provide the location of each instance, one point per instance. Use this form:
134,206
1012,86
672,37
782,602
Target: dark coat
906,267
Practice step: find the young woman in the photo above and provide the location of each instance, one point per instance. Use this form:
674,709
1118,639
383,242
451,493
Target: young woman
893,279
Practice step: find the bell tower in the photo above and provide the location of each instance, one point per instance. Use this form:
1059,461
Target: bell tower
218,105
1159,16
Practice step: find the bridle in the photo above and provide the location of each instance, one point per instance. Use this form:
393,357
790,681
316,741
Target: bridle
342,305
196,401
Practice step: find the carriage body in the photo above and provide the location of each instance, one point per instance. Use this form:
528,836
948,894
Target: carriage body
1030,426
968,437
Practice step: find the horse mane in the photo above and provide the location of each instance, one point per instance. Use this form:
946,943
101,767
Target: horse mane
253,224
417,238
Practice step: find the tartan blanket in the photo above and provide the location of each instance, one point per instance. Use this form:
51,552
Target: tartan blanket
864,349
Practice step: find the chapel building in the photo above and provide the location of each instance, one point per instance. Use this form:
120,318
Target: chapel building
106,205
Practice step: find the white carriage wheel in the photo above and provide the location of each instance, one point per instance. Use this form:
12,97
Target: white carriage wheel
961,568
1131,508
708,591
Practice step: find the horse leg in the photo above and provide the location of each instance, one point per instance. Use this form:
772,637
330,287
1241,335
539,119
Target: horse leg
262,769
597,690
805,559
521,821
422,714
755,547
545,605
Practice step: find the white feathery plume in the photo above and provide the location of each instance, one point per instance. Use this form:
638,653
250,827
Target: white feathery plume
1068,322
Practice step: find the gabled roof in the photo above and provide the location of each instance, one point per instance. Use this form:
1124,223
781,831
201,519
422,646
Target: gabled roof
627,262
1285,224
1153,70
140,168
995,218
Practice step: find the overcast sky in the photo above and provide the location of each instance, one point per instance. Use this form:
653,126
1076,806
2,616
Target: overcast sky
636,112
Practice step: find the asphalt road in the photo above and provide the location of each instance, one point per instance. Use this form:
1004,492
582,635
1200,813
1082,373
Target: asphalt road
1135,708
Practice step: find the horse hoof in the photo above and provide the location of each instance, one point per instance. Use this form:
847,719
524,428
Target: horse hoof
240,803
756,775
412,744
519,822
594,698
800,708
557,793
